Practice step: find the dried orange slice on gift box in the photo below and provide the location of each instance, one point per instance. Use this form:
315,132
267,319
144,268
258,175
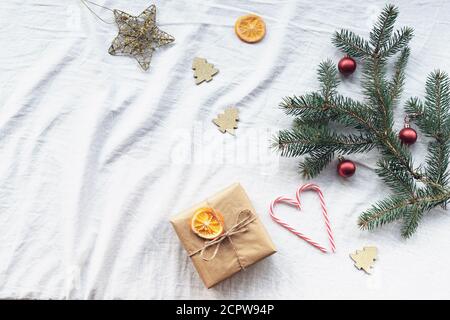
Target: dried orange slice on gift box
250,28
207,223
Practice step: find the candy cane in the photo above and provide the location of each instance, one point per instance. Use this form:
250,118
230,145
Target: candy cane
296,203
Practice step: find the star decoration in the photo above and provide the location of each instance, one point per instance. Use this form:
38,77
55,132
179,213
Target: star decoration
138,36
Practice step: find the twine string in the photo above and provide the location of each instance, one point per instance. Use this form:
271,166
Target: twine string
239,227
88,4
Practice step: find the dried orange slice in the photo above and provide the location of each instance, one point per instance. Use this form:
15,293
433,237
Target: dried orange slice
207,223
250,28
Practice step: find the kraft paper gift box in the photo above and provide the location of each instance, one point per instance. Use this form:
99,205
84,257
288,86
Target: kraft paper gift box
247,242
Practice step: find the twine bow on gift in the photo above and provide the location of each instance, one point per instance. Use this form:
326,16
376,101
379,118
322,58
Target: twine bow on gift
239,227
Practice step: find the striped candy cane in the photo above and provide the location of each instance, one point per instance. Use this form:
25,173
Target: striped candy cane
296,203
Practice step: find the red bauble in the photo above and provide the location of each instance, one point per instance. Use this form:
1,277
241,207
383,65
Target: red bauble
347,66
408,135
346,168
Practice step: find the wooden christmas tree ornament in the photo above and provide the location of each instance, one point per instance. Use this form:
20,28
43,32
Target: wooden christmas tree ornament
365,258
203,71
227,121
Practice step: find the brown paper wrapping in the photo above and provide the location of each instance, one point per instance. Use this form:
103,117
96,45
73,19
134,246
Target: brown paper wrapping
251,245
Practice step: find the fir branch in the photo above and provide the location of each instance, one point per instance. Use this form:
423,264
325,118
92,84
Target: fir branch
396,85
429,199
382,30
425,201
310,103
415,110
375,88
396,207
313,107
397,42
315,163
437,162
396,177
383,212
397,154
416,190
299,141
433,118
411,220
351,44
328,77
353,113
306,139
437,104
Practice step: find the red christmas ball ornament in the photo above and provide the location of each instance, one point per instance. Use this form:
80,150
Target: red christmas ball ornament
346,168
408,135
347,65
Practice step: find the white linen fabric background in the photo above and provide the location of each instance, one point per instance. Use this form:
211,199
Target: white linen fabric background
97,155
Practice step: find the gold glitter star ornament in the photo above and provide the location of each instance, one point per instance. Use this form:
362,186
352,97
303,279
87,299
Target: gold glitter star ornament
138,36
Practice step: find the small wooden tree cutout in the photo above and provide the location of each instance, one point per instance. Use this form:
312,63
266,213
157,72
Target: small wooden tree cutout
364,259
203,71
227,121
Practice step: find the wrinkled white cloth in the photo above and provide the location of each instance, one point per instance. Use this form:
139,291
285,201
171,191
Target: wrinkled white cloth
97,155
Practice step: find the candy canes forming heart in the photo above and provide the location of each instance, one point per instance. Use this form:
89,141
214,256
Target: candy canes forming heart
296,203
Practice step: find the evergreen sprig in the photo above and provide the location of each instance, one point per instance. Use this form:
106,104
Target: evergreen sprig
328,124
